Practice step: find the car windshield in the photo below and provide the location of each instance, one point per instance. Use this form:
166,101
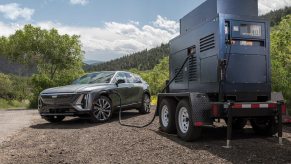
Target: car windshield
93,78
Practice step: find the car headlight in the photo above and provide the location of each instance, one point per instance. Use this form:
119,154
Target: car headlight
83,101
40,103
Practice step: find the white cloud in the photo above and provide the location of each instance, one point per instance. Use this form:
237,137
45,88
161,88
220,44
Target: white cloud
118,37
79,2
13,11
269,5
113,39
164,23
8,29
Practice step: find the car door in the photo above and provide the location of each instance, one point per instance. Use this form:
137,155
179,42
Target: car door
122,88
133,90
140,85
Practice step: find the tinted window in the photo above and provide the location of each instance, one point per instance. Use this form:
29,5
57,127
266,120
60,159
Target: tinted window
130,78
119,75
137,79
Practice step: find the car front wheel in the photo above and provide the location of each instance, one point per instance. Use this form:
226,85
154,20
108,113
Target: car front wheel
146,104
101,109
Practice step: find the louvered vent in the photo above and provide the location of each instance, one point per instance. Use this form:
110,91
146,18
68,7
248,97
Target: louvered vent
179,77
193,68
207,43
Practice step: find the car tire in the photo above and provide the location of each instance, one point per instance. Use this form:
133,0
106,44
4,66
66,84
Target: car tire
185,124
265,126
167,110
54,119
101,109
146,104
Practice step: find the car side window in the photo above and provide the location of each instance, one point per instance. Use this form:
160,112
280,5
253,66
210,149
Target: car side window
130,78
119,75
137,79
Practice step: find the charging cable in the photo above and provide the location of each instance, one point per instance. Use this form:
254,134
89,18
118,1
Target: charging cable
156,112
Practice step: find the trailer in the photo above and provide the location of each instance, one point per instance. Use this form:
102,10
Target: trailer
220,69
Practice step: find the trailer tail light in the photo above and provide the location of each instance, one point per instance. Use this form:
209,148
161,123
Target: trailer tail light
284,109
215,110
198,123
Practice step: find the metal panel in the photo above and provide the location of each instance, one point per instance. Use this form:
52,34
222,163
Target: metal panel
208,10
238,7
247,69
209,69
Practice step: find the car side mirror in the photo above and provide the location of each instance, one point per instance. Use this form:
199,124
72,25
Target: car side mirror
120,81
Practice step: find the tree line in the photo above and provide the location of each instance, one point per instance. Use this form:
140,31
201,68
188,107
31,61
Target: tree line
276,16
143,60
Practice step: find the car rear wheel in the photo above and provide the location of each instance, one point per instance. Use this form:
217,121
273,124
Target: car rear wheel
101,109
146,104
54,119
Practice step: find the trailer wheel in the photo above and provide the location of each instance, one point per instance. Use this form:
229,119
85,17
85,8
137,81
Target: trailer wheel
238,123
184,122
265,126
167,116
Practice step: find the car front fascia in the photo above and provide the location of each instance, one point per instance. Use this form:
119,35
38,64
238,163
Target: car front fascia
70,108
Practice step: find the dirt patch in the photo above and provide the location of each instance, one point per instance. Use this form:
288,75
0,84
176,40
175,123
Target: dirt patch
12,121
78,141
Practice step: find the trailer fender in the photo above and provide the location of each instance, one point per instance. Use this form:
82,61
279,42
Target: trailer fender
201,107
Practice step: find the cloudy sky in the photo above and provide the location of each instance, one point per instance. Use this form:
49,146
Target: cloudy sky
108,28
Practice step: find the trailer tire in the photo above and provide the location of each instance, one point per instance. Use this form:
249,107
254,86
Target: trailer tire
238,123
167,112
185,123
265,126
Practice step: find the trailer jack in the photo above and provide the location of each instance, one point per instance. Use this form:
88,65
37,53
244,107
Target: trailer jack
234,112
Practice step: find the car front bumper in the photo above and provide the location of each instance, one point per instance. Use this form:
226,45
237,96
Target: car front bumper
63,104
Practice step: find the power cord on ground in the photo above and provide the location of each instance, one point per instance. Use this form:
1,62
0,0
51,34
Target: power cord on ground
156,112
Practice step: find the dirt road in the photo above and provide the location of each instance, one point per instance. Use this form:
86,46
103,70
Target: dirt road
12,121
78,141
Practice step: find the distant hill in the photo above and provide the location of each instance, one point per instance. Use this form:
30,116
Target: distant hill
8,67
88,64
143,60
276,16
93,62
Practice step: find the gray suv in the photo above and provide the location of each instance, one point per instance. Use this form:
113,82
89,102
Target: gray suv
94,95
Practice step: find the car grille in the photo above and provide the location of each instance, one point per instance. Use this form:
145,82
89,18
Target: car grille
59,99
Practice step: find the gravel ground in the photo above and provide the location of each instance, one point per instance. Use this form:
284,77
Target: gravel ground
11,121
78,141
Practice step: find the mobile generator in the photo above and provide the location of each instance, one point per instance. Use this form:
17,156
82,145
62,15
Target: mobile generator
220,69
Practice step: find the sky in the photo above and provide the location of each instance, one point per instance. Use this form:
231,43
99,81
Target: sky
108,28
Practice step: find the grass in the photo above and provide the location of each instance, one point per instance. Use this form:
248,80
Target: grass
13,104
154,100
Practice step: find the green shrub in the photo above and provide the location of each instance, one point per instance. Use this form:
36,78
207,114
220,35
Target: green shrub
13,104
5,87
